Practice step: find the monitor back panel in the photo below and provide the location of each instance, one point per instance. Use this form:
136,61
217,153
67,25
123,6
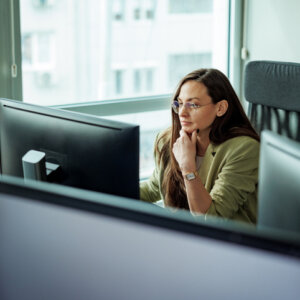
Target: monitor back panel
99,156
279,183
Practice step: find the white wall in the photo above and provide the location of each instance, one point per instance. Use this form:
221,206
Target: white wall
272,31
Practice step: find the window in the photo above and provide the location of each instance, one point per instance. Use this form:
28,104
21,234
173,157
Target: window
143,80
137,81
137,9
27,52
38,51
42,3
119,74
149,79
118,10
149,6
190,6
144,9
137,13
181,64
91,45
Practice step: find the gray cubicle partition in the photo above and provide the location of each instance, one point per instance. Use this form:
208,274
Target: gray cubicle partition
73,244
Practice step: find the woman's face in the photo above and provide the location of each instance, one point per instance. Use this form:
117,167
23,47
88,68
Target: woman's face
196,118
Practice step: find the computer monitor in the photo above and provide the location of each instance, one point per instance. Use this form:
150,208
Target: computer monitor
279,183
70,244
92,153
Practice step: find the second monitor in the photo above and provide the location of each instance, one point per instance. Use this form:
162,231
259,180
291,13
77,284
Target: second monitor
93,153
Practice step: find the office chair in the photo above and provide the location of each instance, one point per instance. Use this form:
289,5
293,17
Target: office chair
273,92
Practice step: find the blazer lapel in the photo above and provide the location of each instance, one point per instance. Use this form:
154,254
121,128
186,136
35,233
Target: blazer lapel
206,165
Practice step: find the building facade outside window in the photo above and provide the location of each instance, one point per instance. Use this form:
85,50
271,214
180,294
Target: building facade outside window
84,42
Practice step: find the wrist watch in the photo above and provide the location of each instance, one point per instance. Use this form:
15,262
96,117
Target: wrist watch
191,175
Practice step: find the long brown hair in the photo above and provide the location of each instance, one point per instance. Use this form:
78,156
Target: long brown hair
232,124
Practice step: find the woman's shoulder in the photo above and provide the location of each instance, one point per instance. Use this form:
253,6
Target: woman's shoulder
241,140
241,144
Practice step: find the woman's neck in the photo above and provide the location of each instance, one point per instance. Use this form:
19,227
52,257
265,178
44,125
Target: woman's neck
202,143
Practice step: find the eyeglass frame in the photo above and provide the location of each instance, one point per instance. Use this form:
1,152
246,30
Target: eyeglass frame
187,105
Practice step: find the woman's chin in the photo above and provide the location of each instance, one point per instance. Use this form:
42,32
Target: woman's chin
188,129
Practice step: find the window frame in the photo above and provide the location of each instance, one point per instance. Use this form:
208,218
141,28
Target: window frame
10,50
120,106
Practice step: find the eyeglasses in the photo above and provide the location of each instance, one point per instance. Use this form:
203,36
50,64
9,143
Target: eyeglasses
188,105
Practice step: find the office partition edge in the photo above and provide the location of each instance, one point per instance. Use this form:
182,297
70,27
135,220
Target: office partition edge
149,214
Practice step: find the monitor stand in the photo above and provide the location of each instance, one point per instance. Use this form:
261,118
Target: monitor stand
35,167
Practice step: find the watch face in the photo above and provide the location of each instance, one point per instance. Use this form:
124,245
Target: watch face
190,176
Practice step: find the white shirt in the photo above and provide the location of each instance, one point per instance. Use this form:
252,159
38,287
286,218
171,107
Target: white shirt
199,160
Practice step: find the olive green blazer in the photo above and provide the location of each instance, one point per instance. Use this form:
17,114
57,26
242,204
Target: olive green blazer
229,172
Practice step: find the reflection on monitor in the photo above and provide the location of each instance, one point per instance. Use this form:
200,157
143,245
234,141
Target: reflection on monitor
92,153
279,182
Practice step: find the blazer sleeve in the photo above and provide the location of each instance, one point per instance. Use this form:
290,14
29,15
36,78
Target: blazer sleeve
236,180
150,190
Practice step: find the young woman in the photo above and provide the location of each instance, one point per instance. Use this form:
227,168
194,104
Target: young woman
207,161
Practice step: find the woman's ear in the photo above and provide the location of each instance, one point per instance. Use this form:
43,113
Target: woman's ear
222,107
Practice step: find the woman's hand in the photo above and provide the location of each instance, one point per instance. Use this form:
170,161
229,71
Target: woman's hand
184,150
